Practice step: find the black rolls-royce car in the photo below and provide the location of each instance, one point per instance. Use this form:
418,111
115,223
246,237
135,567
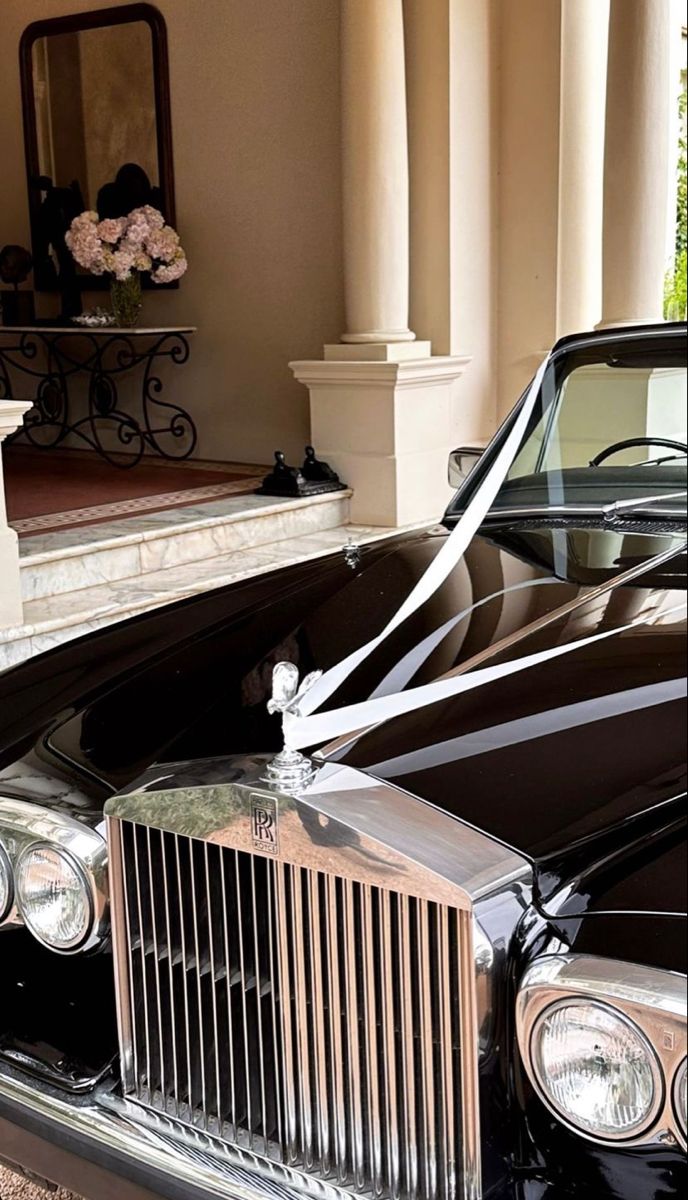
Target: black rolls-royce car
441,955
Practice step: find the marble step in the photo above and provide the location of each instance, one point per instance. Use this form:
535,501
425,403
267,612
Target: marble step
49,621
76,559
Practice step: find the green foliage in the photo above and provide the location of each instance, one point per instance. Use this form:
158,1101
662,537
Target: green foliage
675,301
675,279
681,207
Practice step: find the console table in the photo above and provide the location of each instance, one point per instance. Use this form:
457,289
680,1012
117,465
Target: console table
74,377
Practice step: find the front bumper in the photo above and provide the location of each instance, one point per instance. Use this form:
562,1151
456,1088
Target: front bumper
99,1152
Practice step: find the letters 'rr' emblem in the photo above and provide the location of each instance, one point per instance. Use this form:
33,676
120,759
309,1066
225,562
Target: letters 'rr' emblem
264,824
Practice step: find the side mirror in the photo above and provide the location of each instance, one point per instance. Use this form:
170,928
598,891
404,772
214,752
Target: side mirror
461,463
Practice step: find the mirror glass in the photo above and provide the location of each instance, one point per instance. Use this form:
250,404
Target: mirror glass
95,116
96,124
461,463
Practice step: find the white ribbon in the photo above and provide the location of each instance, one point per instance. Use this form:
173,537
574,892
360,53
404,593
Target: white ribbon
303,726
439,570
536,725
323,727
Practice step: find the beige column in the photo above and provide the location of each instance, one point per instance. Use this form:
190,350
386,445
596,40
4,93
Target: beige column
11,417
382,408
636,161
584,36
375,172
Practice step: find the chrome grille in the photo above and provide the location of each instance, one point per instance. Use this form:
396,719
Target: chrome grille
306,1017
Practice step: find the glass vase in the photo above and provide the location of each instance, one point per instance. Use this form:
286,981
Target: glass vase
126,300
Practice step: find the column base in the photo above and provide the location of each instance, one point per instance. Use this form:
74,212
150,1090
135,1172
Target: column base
10,585
385,427
377,351
11,416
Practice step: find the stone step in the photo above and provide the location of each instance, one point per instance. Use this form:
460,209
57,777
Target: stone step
76,559
49,621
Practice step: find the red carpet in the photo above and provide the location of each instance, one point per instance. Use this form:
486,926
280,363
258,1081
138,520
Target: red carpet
58,489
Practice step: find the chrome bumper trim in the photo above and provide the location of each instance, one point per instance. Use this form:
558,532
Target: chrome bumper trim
156,1144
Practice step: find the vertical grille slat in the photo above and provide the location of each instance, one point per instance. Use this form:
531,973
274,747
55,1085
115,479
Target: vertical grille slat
371,1041
285,1005
389,1010
242,984
315,957
353,1035
408,1055
335,1025
301,1004
145,1080
310,1018
427,1051
170,974
184,976
447,1035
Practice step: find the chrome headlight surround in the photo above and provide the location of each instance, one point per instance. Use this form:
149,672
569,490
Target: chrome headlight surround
25,826
650,1001
679,1097
6,886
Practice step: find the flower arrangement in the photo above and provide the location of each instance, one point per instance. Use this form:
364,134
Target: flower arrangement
126,247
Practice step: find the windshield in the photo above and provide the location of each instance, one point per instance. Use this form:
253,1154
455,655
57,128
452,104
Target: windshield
607,436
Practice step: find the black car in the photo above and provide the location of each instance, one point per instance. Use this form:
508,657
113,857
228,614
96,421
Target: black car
442,955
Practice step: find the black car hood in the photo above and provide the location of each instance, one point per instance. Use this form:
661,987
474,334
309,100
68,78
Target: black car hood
564,753
545,760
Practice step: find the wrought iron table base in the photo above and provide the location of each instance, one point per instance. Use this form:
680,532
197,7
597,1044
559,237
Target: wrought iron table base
104,356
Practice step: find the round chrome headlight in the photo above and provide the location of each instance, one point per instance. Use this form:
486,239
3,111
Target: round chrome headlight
681,1096
54,897
596,1069
6,886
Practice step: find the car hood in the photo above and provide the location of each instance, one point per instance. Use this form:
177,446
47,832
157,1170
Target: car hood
571,751
545,760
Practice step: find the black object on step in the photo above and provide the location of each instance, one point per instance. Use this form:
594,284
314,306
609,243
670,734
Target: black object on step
312,479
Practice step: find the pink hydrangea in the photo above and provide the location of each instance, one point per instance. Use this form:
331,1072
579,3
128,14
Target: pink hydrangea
123,264
168,272
163,243
148,215
111,229
122,246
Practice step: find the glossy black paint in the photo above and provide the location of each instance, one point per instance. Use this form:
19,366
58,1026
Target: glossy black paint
596,801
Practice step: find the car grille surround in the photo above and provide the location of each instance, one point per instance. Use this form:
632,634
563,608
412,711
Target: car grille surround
309,1001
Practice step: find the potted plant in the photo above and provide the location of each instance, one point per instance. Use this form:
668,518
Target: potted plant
127,248
15,268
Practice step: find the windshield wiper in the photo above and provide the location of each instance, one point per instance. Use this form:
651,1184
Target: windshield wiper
610,511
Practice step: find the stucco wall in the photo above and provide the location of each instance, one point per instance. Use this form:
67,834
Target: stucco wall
255,112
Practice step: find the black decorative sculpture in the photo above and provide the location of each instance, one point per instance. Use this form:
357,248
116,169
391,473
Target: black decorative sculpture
15,266
313,479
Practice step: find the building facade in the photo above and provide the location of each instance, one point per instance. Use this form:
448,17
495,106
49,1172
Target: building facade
391,209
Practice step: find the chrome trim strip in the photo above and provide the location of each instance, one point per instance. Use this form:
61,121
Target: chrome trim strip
653,1000
124,999
162,1144
470,1084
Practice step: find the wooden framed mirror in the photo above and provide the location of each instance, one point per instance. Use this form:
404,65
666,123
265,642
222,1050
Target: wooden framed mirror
97,128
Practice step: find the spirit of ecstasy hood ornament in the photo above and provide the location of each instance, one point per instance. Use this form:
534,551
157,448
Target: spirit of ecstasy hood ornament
289,769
